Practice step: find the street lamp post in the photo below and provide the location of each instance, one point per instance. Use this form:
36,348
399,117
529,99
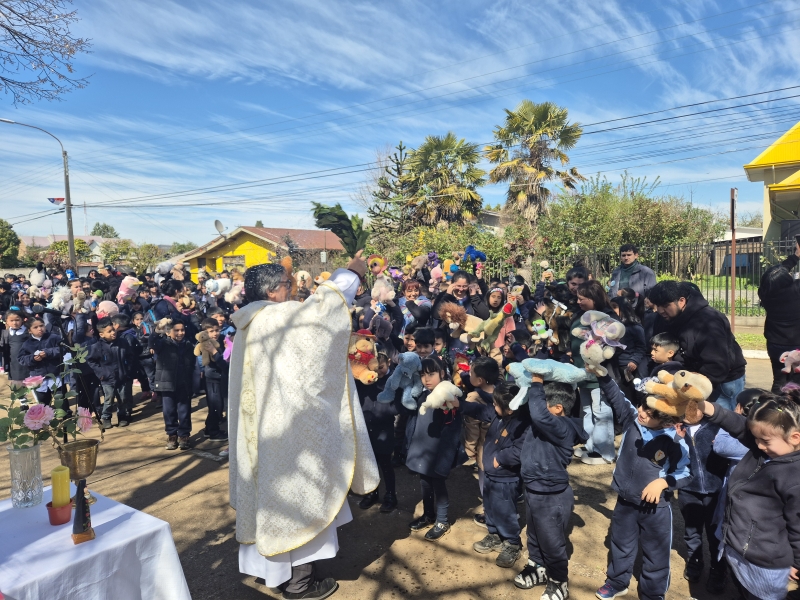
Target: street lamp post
70,237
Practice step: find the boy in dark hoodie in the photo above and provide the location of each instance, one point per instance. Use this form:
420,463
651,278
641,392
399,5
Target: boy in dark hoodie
501,465
107,358
216,380
546,452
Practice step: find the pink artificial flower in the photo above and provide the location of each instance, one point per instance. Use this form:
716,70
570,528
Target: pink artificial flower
33,382
84,421
38,416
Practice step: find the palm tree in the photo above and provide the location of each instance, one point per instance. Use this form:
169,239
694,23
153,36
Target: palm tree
530,146
442,177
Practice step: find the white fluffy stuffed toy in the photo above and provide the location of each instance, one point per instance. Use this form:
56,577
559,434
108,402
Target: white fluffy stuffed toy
442,396
236,295
162,270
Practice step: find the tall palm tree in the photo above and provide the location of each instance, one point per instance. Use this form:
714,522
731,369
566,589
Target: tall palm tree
531,145
442,177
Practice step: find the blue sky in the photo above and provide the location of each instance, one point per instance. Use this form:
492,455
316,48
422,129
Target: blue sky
191,95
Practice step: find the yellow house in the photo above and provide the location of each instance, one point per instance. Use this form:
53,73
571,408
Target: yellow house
248,246
779,168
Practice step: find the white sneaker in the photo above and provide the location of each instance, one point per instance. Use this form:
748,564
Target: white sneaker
556,590
580,452
593,458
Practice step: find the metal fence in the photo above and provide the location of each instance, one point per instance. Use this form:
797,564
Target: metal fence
706,265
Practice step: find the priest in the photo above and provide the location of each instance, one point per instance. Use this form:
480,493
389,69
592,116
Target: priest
298,441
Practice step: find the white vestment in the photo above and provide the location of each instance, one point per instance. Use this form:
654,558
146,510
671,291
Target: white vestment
298,441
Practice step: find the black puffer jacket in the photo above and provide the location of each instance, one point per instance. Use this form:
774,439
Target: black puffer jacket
763,503
174,364
707,343
782,325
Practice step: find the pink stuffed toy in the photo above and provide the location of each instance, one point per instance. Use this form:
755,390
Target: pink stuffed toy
791,361
128,289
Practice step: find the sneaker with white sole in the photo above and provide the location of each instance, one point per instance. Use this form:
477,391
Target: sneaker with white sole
533,574
580,452
608,591
556,590
593,458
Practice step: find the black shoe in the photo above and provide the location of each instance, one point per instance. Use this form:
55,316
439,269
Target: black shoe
389,502
509,554
172,442
480,520
556,590
521,498
106,424
184,443
218,437
317,590
693,571
422,523
368,500
490,543
123,423
716,581
533,574
437,532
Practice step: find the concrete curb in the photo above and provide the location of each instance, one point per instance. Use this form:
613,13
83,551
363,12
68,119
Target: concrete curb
756,354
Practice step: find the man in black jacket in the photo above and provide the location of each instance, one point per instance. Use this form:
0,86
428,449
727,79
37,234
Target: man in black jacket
705,336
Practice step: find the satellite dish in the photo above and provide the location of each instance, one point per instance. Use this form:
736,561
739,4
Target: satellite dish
219,226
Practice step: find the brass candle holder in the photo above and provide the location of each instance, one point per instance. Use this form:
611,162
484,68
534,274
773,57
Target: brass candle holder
80,457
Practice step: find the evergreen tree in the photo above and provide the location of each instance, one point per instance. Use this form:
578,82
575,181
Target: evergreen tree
388,215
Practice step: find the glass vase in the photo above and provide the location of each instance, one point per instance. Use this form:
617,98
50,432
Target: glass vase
26,476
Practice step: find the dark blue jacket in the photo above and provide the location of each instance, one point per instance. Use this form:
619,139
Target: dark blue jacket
503,441
644,454
672,367
435,439
636,349
548,445
50,344
109,361
379,416
708,468
133,349
174,365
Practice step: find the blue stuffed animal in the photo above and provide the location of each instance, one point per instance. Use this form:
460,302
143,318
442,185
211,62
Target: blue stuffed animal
473,255
549,370
405,377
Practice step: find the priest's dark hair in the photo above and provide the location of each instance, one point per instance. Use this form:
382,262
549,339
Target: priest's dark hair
260,279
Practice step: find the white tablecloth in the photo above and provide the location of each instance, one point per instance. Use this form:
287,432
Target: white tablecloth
133,556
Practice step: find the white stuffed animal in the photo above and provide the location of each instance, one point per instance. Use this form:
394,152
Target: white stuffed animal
236,295
442,396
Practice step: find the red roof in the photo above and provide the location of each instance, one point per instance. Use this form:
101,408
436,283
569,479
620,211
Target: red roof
306,239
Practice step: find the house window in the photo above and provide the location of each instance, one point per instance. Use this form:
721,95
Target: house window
201,263
234,262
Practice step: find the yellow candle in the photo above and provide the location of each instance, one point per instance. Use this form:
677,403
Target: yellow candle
60,481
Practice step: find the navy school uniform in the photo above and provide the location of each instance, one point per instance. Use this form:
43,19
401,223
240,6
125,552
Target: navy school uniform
111,363
50,344
173,380
216,380
434,449
11,341
546,452
698,499
644,456
379,418
503,443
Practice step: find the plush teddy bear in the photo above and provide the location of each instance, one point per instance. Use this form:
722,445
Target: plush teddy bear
435,280
363,359
549,370
162,325
471,254
187,303
61,298
791,361
287,264
602,335
382,290
177,271
443,396
459,321
79,302
672,393
405,377
236,295
417,264
303,279
206,347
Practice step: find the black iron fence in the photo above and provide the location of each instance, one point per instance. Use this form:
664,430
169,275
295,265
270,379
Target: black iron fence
706,265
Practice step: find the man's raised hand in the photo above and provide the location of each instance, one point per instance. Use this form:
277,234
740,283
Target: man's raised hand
357,264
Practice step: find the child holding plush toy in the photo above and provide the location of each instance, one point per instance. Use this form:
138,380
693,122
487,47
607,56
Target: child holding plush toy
215,371
435,438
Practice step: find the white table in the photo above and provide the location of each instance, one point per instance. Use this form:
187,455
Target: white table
133,556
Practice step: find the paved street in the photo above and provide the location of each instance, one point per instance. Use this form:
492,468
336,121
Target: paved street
378,557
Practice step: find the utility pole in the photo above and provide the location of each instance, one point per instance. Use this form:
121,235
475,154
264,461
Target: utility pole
68,202
734,197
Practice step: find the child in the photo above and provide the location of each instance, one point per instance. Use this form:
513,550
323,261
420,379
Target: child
408,338
433,452
379,418
664,354
632,358
761,530
423,342
12,339
698,499
546,452
109,361
652,460
147,364
127,337
216,376
41,354
174,370
221,318
484,373
501,464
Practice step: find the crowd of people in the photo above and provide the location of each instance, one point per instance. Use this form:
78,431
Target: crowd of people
731,459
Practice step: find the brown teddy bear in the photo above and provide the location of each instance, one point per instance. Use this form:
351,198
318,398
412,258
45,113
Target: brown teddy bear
206,347
363,359
671,394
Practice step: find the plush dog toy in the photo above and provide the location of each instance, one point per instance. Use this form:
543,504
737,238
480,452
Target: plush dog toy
236,295
443,396
791,361
602,335
363,359
473,255
405,377
417,264
382,290
459,321
303,279
61,298
287,264
549,370
322,277
177,271
671,394
206,347
162,325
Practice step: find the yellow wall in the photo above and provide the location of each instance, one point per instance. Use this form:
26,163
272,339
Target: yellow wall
254,250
